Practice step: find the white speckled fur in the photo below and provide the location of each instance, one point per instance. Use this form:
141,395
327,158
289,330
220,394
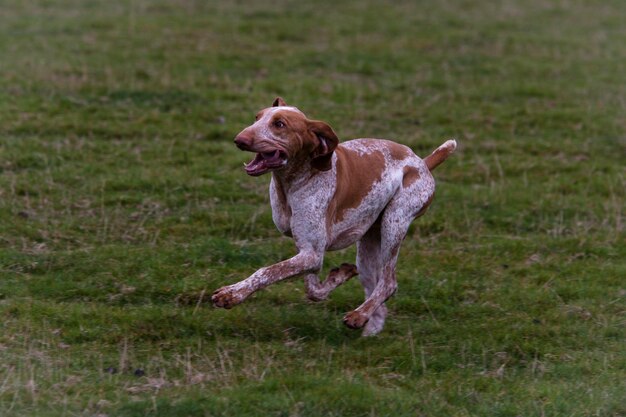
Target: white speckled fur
300,197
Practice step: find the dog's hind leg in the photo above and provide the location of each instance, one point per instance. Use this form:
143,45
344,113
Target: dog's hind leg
378,267
369,264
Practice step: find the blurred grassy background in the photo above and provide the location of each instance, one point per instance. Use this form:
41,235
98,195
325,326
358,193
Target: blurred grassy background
123,205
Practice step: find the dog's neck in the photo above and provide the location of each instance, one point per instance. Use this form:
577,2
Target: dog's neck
295,174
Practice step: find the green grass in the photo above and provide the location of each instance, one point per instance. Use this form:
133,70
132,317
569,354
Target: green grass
123,205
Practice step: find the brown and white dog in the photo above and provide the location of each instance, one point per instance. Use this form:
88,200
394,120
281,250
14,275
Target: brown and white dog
327,196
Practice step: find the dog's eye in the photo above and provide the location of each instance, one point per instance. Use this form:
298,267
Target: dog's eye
279,124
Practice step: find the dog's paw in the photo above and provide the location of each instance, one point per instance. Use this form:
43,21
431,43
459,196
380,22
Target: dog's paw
315,296
355,319
342,274
373,327
349,269
227,297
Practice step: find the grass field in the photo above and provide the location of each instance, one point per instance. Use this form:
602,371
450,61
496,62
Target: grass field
123,205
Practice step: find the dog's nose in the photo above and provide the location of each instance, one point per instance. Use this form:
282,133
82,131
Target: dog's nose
243,142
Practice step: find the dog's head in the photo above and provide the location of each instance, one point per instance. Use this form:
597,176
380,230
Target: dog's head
282,135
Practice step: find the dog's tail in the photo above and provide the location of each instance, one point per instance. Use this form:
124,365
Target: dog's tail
440,154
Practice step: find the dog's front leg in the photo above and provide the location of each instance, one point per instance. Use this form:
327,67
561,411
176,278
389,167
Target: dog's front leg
231,295
318,291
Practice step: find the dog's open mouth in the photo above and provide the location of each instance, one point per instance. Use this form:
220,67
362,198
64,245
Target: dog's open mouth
266,161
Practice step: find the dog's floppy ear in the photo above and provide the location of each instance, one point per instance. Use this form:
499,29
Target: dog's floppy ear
322,155
279,102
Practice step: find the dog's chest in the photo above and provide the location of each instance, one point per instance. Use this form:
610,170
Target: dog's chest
281,209
302,210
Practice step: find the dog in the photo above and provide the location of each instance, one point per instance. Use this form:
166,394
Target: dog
328,195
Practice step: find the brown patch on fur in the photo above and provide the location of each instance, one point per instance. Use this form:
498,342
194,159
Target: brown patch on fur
356,174
327,143
294,136
398,151
411,174
295,122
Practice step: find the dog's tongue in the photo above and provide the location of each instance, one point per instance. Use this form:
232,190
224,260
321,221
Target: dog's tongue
261,162
255,165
